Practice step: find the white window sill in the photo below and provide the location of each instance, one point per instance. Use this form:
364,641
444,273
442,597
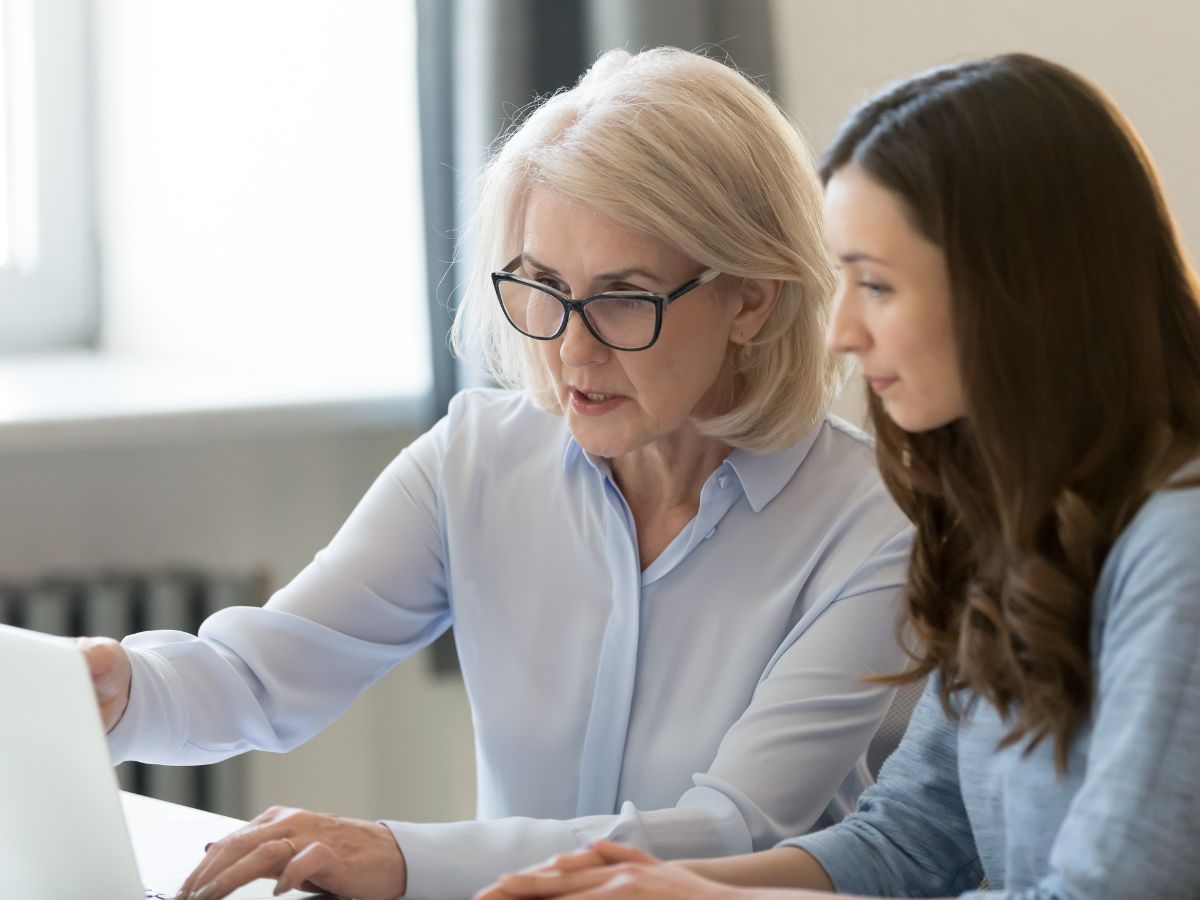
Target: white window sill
84,398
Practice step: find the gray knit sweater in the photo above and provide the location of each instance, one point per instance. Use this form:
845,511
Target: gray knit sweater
1124,822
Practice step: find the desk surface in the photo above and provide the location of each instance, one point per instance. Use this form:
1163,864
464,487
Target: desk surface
168,841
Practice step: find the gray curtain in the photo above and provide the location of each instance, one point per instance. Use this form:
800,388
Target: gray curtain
481,61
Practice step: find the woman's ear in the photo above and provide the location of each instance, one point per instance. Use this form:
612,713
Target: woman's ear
758,297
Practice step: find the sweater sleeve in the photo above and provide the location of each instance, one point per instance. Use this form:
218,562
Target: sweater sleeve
1131,829
909,836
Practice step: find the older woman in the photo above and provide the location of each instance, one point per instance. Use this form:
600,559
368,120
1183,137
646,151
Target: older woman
667,569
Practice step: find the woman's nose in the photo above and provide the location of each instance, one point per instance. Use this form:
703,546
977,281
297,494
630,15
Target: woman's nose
846,332
579,347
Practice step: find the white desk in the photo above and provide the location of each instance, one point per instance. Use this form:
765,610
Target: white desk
168,841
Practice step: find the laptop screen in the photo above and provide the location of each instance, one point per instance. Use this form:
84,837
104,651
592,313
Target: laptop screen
62,832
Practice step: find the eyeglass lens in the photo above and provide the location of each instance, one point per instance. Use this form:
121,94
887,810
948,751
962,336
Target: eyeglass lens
623,322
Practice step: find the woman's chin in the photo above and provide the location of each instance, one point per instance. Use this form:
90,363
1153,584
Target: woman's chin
915,421
597,437
599,445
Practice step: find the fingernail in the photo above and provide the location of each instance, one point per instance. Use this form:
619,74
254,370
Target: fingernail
202,893
281,887
206,846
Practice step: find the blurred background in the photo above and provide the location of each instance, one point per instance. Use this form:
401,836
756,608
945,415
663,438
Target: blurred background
226,241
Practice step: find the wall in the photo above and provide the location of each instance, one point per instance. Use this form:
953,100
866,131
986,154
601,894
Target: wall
832,55
239,499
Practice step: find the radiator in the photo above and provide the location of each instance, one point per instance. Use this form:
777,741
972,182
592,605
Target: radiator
114,604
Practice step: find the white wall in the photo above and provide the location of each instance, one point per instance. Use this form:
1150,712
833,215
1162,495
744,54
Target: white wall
833,55
244,501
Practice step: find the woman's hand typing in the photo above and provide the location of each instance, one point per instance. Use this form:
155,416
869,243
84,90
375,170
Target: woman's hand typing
305,850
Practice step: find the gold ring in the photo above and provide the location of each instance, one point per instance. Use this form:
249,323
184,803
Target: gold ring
288,841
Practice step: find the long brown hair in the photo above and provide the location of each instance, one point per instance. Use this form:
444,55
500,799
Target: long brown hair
1077,322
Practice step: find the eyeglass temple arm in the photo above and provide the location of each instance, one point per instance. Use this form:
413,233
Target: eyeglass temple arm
703,278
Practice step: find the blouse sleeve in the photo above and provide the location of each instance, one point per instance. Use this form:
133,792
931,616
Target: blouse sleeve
270,678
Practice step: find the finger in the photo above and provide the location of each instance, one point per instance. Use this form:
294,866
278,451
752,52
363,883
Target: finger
613,889
631,883
268,860
274,814
612,852
559,863
108,666
195,877
311,868
221,854
98,654
494,892
552,883
586,858
565,862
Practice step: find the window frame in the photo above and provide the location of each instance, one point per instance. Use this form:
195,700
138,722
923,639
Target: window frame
49,288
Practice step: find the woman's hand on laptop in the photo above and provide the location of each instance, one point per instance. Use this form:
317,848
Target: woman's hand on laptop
109,664
305,850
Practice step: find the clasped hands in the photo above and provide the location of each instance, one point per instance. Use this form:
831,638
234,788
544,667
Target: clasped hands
605,870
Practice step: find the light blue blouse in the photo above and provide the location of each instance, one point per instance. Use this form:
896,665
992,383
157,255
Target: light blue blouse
1124,821
708,705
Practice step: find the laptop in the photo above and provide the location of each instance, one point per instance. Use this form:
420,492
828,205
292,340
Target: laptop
63,834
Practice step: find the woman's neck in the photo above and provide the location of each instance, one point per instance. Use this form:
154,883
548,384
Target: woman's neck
661,483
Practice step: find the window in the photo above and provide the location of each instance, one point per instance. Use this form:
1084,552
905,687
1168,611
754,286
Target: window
48,290
5,190
250,173
260,182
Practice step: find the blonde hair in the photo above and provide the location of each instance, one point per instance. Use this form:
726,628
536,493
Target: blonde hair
686,149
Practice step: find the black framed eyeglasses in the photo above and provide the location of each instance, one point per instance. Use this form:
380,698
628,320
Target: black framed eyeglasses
623,320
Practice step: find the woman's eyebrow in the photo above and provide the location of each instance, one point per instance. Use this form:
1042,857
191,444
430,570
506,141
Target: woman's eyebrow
549,270
627,273
856,256
619,275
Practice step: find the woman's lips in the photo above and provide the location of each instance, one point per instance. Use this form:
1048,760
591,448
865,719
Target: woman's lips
879,385
592,403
